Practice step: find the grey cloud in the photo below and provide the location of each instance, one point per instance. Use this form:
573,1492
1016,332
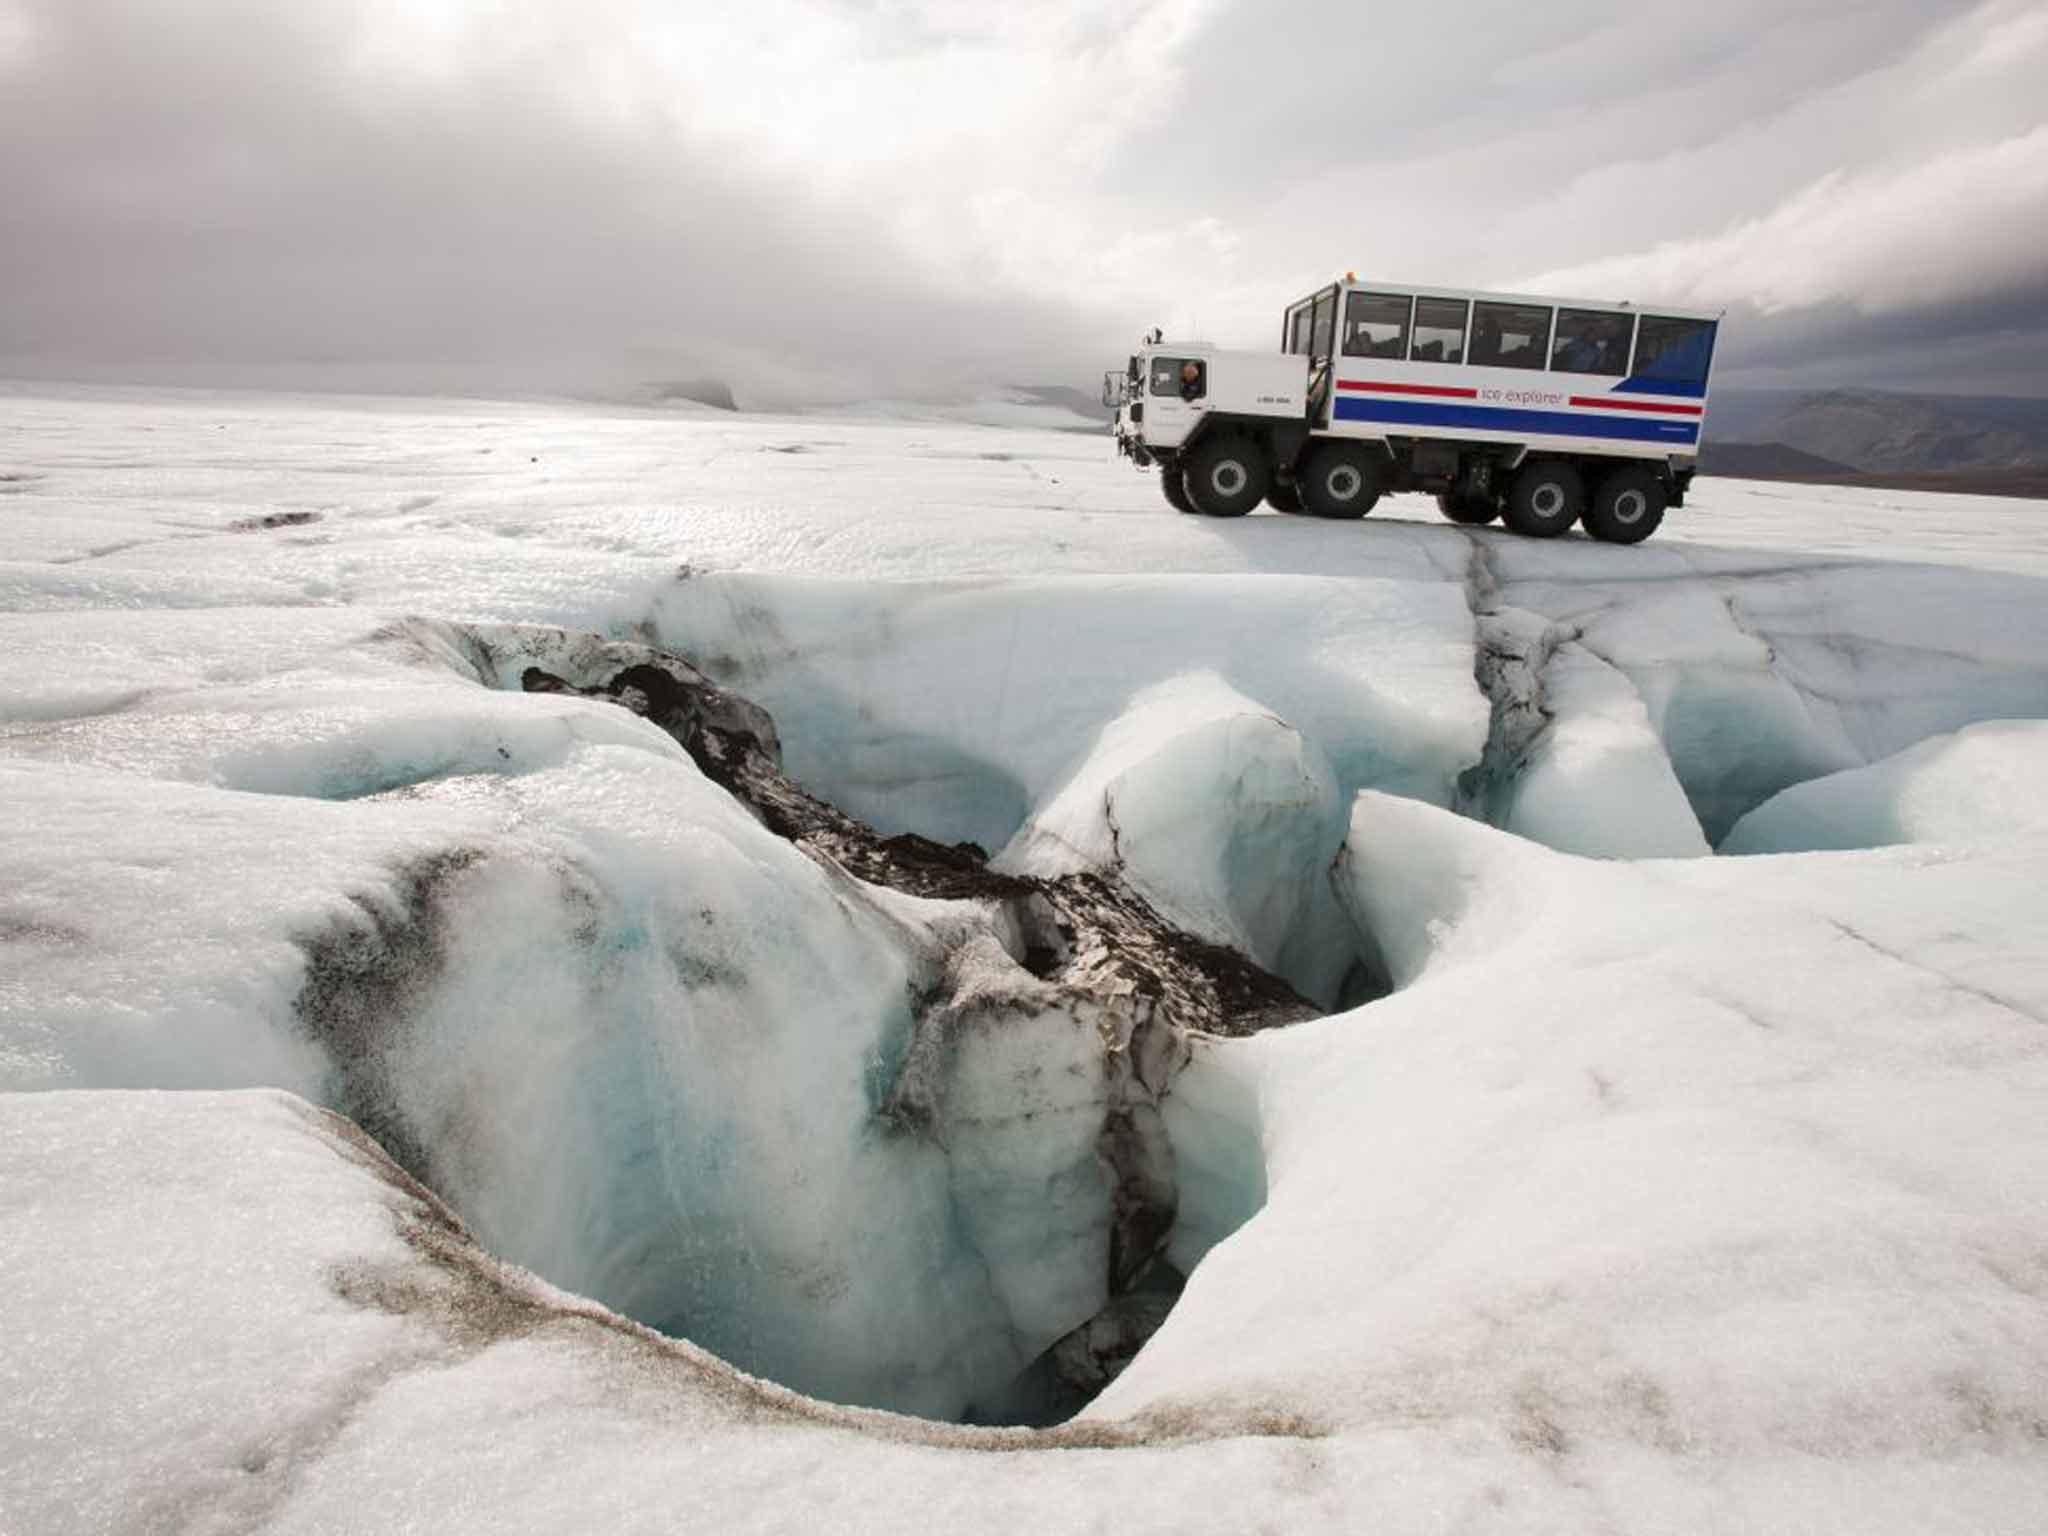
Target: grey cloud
1480,143
215,192
1989,345
232,190
1507,101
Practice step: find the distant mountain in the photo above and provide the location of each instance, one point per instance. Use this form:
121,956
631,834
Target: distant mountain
1767,461
2030,482
715,393
1883,433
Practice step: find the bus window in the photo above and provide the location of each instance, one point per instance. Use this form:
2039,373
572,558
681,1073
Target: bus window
1591,341
1376,325
1439,331
1674,350
1325,324
1510,335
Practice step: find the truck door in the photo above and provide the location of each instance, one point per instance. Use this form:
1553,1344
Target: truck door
1322,345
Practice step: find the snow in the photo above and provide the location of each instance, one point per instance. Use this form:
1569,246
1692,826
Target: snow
1600,781
1218,812
1659,1190
1979,784
1759,673
1750,1176
970,702
697,1019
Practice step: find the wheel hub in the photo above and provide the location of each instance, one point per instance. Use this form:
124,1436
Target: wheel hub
1630,506
1343,483
1228,478
1548,500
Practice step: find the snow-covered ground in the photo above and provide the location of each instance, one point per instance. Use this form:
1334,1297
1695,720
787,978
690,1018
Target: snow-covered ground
1662,1191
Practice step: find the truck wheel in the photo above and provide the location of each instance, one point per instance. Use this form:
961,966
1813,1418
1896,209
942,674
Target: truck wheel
1462,509
1343,480
1227,476
1284,498
1546,500
1627,507
1175,492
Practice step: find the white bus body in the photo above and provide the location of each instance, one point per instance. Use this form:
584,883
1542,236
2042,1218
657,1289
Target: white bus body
1542,411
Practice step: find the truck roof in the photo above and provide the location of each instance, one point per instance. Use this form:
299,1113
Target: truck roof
1495,296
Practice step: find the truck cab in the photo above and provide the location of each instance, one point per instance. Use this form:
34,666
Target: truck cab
1168,392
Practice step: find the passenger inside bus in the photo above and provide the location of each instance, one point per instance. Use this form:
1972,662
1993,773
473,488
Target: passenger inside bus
1591,341
1439,331
1376,325
1509,335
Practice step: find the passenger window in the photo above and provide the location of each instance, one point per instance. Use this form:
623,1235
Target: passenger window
1674,350
1325,324
1509,335
1297,330
1376,325
1439,331
1591,341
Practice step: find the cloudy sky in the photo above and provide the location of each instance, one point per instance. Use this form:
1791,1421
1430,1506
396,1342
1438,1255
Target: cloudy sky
832,198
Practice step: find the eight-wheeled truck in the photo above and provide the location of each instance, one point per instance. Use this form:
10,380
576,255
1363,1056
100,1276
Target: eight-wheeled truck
1541,412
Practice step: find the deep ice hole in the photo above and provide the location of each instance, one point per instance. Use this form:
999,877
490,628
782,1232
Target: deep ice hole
963,1247
890,1149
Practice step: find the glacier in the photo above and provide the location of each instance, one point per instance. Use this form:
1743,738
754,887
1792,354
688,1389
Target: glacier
580,966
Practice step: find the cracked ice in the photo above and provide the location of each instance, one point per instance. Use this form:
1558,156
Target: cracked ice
1044,898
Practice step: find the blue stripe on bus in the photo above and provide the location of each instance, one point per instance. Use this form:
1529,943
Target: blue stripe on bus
1493,418
1650,384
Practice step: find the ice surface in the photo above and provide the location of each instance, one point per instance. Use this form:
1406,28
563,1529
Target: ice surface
192,1348
1663,1192
1218,1130
1600,782
1706,1160
1757,674
639,1041
147,927
1980,784
1214,809
1571,758
956,708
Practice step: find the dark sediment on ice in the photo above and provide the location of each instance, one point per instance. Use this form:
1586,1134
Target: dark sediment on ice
1085,944
1088,930
1088,935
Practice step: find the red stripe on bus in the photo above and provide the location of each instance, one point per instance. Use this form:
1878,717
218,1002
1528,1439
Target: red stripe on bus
1453,391
1607,403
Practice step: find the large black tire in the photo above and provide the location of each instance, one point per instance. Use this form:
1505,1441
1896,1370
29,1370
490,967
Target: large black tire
1470,511
1627,506
1284,498
1170,486
1340,480
1227,475
1547,498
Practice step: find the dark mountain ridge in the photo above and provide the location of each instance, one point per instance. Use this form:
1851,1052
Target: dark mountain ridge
1879,432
